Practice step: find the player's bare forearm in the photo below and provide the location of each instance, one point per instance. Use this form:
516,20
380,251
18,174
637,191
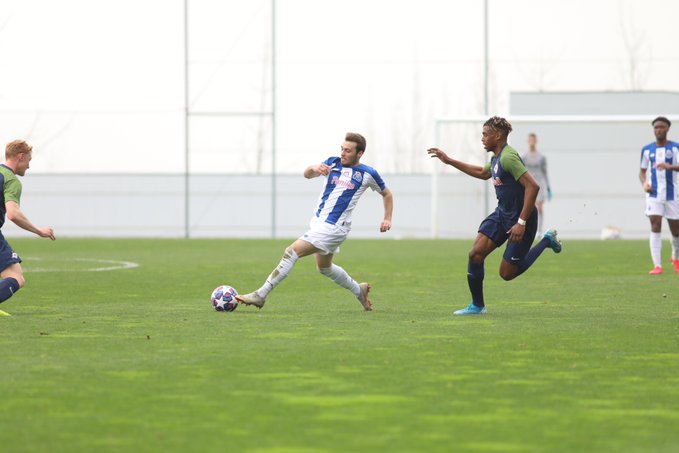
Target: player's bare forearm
312,171
648,187
19,218
470,169
388,200
531,189
530,195
667,166
517,231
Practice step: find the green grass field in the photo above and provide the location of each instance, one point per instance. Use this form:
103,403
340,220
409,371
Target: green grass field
579,354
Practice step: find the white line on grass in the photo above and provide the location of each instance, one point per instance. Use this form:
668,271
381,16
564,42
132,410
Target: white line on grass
115,266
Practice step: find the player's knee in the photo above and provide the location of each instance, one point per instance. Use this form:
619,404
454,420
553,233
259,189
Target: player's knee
21,280
289,253
507,274
475,256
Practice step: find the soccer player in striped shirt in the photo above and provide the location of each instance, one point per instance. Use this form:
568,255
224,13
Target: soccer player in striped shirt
346,180
515,217
661,186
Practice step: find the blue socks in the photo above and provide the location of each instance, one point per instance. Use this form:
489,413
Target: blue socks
8,286
475,275
532,255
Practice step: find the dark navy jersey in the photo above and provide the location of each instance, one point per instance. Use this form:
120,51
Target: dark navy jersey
506,169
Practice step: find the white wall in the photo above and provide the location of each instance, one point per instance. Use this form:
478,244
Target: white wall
240,206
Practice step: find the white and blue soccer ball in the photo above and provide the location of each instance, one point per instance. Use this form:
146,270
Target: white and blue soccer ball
224,298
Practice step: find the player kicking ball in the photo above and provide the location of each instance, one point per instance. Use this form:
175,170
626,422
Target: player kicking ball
346,180
515,218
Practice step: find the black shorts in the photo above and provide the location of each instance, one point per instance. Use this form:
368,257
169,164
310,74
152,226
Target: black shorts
496,227
7,255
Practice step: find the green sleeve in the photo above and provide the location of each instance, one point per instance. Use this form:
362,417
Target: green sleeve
511,162
13,190
487,167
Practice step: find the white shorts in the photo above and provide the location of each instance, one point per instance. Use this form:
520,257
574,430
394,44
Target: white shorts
326,237
668,209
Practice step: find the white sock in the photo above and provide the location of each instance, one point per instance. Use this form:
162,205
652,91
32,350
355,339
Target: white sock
340,276
675,247
278,275
656,248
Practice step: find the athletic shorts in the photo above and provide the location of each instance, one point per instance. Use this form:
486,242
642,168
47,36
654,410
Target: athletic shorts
496,226
326,237
7,255
665,208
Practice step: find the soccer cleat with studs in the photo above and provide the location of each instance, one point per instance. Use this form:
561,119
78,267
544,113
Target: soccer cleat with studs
363,298
251,299
656,271
471,309
676,265
554,242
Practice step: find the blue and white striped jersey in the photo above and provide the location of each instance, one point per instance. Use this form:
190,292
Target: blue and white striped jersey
343,187
664,182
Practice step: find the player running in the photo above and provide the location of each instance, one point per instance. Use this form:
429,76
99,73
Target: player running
515,217
347,179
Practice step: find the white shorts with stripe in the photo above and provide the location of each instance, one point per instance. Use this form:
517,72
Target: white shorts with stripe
326,237
665,208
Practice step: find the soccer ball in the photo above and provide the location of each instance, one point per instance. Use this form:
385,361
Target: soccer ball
224,298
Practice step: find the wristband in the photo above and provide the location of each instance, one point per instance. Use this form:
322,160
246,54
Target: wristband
521,222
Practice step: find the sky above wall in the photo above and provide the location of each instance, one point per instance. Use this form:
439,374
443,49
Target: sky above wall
99,87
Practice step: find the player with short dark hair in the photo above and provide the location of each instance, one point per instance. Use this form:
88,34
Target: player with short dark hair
347,179
18,155
661,187
515,217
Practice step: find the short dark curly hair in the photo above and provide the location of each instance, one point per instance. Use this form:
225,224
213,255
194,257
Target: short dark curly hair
663,119
499,124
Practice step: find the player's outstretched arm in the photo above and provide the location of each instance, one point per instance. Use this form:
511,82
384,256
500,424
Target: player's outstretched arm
16,215
388,200
472,170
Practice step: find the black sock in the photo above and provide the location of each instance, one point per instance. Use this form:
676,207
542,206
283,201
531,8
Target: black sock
475,275
8,286
533,254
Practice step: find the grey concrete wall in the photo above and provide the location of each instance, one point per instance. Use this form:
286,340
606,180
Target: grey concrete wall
593,169
592,191
652,103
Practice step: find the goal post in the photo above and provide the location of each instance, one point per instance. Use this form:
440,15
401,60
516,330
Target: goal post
592,161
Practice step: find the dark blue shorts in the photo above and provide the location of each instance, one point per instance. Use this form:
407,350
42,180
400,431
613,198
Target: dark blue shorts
496,226
7,255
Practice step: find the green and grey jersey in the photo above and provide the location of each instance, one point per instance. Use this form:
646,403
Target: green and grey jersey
11,190
506,169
